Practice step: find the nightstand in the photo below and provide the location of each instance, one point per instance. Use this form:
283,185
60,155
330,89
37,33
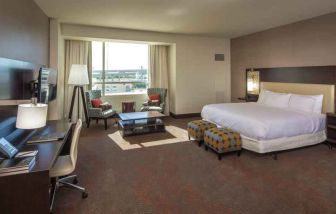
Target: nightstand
331,129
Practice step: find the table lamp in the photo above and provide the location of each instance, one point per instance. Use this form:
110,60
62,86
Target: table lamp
29,116
32,115
78,77
252,84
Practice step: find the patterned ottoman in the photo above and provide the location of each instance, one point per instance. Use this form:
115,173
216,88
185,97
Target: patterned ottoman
196,129
222,140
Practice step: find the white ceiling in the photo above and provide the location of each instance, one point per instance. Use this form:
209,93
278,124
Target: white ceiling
229,18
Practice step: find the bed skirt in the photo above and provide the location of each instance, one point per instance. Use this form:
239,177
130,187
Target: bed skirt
280,144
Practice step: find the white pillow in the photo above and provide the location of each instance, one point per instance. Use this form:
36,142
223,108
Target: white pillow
276,100
261,96
307,103
264,93
302,103
318,103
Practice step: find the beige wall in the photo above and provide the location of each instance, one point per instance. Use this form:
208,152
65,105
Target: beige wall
117,99
196,80
307,43
24,32
55,110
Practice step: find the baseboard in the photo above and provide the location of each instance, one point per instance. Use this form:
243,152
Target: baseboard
180,116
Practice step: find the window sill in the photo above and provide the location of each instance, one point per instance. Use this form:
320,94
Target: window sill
126,94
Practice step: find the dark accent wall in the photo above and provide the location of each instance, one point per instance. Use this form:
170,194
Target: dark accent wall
308,75
307,43
24,31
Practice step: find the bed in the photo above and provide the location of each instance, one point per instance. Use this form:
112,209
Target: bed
269,128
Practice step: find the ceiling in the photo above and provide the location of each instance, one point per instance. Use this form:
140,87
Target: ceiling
228,18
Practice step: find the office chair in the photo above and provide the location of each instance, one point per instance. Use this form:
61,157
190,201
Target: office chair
65,165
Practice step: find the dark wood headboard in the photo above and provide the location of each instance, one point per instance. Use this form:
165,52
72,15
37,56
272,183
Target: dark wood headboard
282,80
310,74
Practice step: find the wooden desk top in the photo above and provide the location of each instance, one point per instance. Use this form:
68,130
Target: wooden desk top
49,151
30,192
47,154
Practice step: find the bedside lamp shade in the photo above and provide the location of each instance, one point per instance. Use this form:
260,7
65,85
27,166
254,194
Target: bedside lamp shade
31,116
78,75
253,82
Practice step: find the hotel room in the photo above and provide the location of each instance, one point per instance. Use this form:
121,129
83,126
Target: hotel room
150,106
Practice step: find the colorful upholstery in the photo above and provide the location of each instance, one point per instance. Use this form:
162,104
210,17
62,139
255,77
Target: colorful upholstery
96,102
197,128
97,113
148,106
222,140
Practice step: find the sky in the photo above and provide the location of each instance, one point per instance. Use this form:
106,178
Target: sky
120,56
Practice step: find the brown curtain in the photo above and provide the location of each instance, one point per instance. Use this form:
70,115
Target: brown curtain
158,68
76,52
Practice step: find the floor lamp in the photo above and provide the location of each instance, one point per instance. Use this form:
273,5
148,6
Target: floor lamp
78,77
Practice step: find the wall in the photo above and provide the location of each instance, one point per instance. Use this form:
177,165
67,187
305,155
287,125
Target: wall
56,59
197,79
306,43
117,99
24,33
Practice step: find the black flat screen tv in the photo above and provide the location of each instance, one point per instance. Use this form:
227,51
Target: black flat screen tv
17,79
21,80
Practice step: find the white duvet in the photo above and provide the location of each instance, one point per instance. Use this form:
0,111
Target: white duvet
260,122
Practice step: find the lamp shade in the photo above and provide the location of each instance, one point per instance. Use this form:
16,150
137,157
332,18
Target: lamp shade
31,116
253,82
78,75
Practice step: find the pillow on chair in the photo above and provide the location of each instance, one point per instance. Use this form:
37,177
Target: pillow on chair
105,106
154,97
96,103
154,102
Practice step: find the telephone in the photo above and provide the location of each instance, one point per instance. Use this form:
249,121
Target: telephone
7,149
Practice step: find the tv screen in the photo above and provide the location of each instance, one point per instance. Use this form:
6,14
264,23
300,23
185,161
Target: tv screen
47,85
17,79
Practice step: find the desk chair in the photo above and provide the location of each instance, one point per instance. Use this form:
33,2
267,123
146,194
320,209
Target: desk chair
65,165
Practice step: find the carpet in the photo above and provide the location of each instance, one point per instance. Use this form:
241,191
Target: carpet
173,134
184,178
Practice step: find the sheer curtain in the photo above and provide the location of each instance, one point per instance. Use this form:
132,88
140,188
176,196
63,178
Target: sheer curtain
158,68
76,52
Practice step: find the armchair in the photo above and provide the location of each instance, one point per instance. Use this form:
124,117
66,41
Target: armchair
148,106
97,113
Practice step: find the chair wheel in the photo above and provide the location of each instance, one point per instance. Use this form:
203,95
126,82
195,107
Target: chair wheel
85,195
75,181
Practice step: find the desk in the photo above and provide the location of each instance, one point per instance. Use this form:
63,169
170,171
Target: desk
30,192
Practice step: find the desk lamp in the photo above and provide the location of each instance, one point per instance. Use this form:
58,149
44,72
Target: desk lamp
32,115
29,116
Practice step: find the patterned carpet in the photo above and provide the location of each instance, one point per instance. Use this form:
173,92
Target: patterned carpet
183,178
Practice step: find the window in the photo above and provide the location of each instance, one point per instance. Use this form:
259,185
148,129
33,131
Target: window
119,68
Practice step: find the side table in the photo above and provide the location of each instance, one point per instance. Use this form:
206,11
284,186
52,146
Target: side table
128,106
